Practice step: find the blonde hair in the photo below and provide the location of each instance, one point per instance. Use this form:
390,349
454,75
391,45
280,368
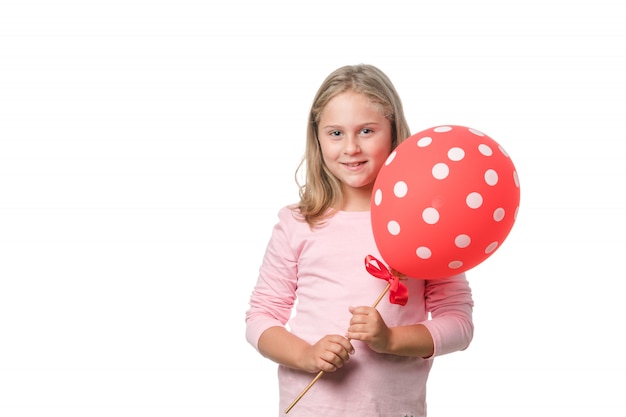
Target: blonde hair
321,190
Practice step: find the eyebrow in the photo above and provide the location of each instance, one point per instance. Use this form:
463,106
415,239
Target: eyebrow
341,127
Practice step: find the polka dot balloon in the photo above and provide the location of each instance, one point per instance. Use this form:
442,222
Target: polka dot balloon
443,202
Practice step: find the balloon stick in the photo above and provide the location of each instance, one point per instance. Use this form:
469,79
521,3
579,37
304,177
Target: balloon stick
319,375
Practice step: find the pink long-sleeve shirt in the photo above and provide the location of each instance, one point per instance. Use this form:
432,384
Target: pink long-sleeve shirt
324,270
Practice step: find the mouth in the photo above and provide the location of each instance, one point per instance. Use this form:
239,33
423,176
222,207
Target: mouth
353,164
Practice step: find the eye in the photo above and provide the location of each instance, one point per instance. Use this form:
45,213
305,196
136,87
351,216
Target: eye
334,133
366,130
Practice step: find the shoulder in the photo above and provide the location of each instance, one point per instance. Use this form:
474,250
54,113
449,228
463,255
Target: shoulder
291,221
290,233
290,213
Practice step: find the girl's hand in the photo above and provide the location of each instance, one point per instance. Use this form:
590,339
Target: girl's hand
368,326
329,354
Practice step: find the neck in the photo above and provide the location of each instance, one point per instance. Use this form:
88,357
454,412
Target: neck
356,199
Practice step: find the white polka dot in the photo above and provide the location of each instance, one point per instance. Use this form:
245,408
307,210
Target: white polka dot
391,157
516,179
485,149
442,129
462,241
430,215
455,264
393,227
503,151
425,141
400,189
515,215
456,154
492,246
423,252
440,171
498,214
491,177
474,200
476,132
378,197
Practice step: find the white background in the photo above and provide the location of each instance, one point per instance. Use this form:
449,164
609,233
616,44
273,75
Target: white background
146,147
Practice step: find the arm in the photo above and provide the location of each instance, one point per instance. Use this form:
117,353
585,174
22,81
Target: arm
271,304
451,328
368,326
328,354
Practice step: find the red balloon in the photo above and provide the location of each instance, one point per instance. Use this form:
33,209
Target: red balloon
443,202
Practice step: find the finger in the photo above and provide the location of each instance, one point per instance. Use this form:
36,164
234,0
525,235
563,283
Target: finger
326,366
357,332
347,346
365,310
357,335
334,361
341,341
341,346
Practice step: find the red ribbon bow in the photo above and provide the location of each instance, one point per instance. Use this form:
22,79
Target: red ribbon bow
398,292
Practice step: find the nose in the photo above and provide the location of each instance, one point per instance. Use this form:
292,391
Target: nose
351,145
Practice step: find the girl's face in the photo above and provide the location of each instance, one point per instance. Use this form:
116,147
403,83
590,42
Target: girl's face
355,139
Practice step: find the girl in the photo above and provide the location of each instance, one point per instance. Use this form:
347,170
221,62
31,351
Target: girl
376,361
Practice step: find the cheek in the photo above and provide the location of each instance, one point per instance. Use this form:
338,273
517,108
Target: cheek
383,149
381,157
329,152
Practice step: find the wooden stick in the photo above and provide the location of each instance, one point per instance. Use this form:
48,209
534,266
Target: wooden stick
319,375
382,294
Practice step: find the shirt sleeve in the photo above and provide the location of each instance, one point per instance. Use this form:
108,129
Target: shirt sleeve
274,294
450,304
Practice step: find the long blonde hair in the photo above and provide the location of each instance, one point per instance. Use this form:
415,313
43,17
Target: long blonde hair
321,190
